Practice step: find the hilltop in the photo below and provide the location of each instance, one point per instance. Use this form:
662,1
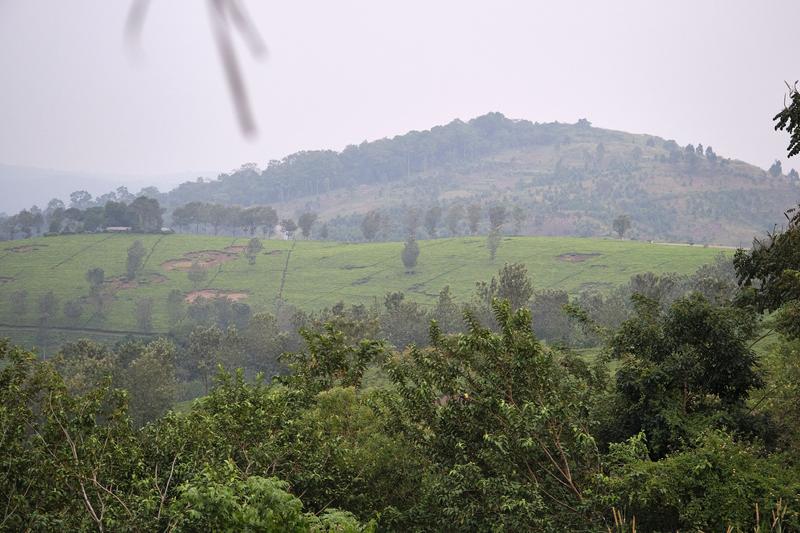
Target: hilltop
571,179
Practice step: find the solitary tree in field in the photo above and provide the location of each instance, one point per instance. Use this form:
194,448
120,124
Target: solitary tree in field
136,255
196,274
621,224
370,225
410,253
254,246
305,222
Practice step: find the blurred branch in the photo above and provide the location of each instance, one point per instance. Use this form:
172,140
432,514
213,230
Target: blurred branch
225,16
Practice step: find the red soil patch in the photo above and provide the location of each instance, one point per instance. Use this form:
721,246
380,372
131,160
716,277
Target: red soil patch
213,294
576,258
236,249
204,258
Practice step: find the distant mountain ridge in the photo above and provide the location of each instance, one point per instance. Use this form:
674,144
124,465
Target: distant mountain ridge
572,179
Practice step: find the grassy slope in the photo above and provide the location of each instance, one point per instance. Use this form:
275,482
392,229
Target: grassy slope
320,273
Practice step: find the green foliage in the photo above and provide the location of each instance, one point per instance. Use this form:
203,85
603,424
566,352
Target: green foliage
222,500
717,484
60,468
770,275
344,457
210,348
789,120
329,361
504,421
682,370
150,380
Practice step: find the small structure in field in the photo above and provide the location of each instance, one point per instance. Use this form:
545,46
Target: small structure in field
118,229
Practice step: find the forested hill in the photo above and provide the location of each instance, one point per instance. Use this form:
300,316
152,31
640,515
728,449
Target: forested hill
572,179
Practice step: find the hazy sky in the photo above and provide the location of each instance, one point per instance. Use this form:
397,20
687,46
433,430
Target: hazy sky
74,97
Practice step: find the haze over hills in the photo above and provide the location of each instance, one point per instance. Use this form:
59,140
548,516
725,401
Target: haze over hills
36,186
568,179
572,179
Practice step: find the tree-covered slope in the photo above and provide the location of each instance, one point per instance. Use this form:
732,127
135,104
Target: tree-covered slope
571,179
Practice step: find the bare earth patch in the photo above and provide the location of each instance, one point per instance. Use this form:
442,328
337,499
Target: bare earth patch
204,258
213,294
576,258
236,249
5,279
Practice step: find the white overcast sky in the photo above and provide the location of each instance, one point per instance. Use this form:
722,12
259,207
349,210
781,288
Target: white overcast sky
74,97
